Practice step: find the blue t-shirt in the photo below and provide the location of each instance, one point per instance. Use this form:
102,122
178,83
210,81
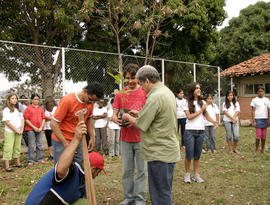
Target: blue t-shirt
52,190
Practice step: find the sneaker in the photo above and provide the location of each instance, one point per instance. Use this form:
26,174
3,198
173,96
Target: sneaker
187,178
197,178
139,203
203,151
125,202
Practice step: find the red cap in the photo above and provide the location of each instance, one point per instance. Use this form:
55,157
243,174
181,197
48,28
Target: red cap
96,160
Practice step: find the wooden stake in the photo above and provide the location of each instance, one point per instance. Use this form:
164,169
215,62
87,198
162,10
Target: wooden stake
90,191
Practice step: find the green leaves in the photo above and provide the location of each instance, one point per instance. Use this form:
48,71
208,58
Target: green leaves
246,36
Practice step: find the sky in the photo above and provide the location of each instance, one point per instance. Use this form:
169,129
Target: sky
232,8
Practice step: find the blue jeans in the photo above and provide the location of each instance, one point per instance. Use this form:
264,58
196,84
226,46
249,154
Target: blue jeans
181,122
58,148
160,177
114,142
133,190
194,143
232,129
34,138
210,135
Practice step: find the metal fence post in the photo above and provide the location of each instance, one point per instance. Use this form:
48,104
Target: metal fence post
163,71
63,72
219,92
231,84
194,72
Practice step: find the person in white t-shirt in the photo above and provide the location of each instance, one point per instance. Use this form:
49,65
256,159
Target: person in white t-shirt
50,107
210,132
114,134
181,115
231,110
194,133
260,117
14,125
100,117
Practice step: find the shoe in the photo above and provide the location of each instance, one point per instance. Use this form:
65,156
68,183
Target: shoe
42,162
18,166
235,151
9,169
139,203
187,178
126,202
197,178
30,164
203,151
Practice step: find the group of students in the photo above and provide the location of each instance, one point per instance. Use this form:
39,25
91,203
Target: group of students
30,120
199,119
152,117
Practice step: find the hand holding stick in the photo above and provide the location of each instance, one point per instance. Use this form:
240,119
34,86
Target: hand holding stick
90,191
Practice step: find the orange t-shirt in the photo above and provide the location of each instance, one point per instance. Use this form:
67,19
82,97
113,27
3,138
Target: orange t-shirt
66,115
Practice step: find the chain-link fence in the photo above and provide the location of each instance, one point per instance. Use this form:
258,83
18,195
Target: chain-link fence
52,71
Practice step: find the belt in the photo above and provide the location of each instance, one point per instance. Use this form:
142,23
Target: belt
196,131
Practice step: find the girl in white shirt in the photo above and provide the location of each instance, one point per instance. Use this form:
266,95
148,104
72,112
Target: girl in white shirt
231,110
260,117
114,134
14,125
210,132
181,115
194,132
50,107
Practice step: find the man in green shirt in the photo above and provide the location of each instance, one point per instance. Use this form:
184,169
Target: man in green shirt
157,122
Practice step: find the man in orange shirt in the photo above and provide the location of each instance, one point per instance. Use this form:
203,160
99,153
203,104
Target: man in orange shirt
65,119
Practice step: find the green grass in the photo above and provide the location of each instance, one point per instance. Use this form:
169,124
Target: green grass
229,178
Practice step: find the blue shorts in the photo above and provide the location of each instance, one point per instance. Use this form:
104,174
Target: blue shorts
261,123
194,143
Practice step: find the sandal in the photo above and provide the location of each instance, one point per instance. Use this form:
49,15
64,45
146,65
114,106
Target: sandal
236,152
9,169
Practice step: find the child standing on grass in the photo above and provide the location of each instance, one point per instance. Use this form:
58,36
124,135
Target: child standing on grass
34,118
50,107
231,110
210,132
114,134
260,115
181,115
194,133
14,125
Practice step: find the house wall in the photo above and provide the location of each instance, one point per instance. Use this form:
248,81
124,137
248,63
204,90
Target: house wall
244,101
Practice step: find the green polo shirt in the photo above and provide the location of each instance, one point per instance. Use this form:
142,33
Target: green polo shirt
158,125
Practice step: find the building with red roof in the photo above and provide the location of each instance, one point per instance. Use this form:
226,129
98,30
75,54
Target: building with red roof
248,76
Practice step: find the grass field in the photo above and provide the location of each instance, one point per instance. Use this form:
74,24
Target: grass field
229,178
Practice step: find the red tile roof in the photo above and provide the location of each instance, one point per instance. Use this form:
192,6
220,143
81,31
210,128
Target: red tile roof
257,65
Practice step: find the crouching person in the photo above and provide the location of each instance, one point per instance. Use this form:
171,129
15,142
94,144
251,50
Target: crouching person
65,183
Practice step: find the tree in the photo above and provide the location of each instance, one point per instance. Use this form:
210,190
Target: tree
192,36
51,23
246,36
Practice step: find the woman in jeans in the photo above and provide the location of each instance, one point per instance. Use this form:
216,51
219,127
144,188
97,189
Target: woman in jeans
210,132
194,133
231,110
34,118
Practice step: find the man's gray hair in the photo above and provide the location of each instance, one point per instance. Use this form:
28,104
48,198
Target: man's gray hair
148,72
